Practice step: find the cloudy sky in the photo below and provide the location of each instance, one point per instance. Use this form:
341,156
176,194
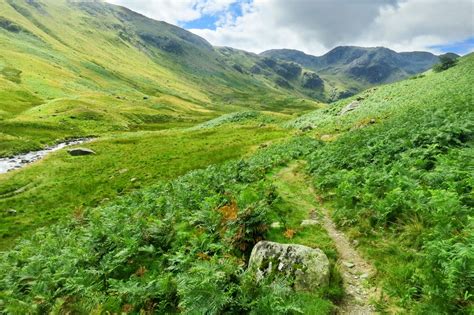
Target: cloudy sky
315,26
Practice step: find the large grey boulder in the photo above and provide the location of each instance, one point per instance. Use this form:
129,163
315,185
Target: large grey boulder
308,267
80,151
349,108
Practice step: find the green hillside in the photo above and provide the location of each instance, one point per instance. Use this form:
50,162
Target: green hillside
200,152
84,68
394,172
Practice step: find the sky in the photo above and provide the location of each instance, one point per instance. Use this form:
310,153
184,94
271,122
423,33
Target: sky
316,26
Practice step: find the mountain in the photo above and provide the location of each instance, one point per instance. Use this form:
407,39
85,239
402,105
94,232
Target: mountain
349,69
281,74
74,68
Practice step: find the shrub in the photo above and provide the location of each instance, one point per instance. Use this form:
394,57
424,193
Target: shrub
445,62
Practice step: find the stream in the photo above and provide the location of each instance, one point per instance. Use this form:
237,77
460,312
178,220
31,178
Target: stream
18,161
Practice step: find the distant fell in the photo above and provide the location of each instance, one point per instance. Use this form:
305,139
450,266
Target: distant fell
351,69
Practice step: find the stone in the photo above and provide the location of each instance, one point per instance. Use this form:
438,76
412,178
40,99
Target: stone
11,212
307,267
349,108
326,137
275,225
348,264
80,151
309,223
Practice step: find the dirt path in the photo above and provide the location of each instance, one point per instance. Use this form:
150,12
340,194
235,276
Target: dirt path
354,269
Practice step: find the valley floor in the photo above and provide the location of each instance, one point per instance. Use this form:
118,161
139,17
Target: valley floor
60,185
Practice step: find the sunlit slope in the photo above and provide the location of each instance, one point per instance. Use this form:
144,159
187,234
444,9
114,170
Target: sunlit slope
74,68
397,173
379,104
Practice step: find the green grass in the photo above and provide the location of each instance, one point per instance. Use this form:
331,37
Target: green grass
60,184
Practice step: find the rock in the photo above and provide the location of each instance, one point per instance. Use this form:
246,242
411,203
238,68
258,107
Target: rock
275,225
373,121
11,212
308,267
80,151
309,223
133,180
364,276
123,171
355,243
348,264
349,108
325,137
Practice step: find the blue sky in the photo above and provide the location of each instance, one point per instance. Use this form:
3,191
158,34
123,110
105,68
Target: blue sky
210,21
460,48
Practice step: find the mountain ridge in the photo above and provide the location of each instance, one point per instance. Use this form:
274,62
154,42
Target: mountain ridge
368,66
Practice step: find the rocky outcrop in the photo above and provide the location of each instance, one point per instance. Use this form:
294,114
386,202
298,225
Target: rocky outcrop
349,108
307,267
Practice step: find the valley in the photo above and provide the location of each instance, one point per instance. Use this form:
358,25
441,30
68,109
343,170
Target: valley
203,152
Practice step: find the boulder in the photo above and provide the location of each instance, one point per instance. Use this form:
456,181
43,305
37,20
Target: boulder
307,128
11,212
349,108
326,137
307,267
309,222
275,225
80,151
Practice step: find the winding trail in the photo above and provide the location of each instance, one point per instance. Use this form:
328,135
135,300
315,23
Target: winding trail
354,269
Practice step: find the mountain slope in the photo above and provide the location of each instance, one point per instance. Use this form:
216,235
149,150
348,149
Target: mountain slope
70,68
350,69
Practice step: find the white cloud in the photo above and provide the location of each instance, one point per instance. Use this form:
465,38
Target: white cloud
316,26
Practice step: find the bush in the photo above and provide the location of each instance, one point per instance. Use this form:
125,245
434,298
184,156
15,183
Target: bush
445,62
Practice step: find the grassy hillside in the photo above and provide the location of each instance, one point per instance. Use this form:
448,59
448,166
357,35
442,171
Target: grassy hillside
72,69
199,150
395,173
